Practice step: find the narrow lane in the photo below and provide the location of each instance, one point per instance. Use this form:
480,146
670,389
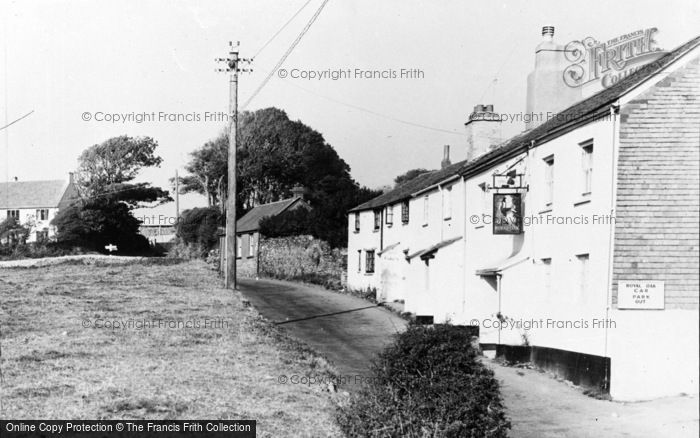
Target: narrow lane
347,330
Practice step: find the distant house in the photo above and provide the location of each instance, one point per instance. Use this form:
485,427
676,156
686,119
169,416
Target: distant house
248,231
36,203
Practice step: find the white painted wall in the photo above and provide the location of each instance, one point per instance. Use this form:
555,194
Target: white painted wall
28,216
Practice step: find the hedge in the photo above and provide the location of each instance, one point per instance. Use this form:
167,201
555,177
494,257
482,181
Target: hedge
428,383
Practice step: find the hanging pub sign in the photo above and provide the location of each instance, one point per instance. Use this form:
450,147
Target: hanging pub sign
507,213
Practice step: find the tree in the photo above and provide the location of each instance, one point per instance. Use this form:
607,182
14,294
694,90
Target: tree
274,155
207,168
407,176
107,195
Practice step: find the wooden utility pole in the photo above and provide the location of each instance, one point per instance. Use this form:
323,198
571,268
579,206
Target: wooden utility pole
231,248
177,199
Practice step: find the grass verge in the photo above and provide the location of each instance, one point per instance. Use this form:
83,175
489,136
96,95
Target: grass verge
149,341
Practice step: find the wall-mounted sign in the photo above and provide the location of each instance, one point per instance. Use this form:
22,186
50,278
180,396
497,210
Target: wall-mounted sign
507,213
640,294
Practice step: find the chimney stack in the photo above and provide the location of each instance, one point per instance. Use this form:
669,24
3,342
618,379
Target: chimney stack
483,131
298,191
71,177
445,156
547,93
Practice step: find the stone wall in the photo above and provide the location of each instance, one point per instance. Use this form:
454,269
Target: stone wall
303,258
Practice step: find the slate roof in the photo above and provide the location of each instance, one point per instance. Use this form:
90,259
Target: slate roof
251,220
31,194
582,112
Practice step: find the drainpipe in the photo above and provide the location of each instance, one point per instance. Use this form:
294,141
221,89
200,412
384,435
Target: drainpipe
381,230
498,288
614,110
464,245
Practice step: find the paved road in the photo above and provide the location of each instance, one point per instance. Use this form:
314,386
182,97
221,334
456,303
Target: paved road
326,321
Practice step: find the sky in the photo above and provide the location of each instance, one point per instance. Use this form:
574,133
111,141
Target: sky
65,59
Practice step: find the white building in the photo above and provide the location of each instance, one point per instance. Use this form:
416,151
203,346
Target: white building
35,203
601,284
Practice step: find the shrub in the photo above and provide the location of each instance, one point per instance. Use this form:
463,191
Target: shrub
100,222
198,227
429,382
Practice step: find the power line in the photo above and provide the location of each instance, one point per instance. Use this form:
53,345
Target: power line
286,54
359,108
17,120
281,29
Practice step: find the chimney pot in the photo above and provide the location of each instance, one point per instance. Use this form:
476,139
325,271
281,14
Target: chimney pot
489,108
445,156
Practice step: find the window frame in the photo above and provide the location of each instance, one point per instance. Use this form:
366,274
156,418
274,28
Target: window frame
377,219
447,203
251,245
405,209
40,214
239,246
369,261
549,181
426,210
357,222
9,214
389,215
587,151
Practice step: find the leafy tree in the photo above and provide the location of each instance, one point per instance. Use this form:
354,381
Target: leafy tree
407,176
274,155
198,227
107,195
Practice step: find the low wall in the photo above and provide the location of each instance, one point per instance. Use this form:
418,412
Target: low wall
303,258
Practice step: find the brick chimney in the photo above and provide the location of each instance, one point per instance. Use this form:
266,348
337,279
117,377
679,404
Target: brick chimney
547,93
483,131
445,157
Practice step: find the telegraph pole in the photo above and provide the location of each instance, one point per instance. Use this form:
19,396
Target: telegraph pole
231,248
177,199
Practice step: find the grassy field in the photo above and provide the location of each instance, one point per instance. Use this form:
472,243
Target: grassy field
74,345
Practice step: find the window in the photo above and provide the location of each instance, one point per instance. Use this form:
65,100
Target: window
587,167
425,210
357,222
251,245
390,215
369,262
404,212
42,214
43,235
447,203
583,275
547,271
239,246
13,214
359,260
549,181
377,219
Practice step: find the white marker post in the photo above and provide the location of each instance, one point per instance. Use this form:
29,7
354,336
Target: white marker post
111,248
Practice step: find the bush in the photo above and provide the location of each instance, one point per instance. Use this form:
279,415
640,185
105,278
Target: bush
429,382
101,222
198,227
